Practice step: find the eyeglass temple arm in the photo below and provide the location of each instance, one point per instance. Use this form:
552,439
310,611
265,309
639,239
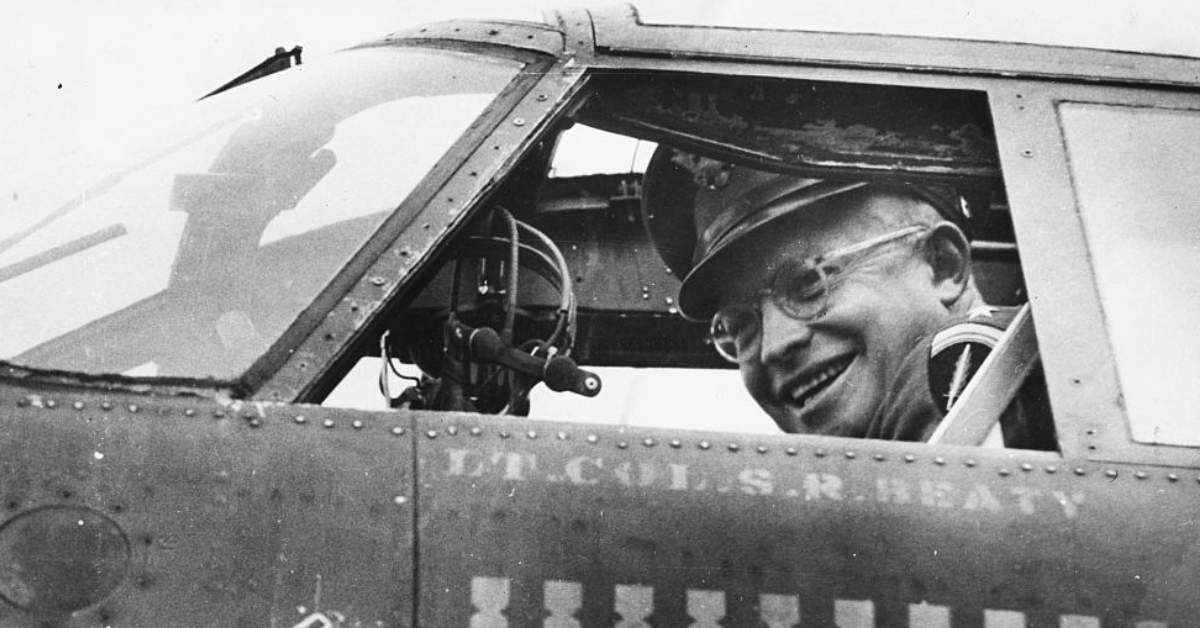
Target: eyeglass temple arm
994,386
869,243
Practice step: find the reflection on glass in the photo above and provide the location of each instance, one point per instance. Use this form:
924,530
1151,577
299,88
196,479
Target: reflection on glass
1135,172
193,261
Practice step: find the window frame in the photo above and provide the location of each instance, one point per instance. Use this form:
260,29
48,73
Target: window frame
1073,334
995,90
1073,341
299,370
761,70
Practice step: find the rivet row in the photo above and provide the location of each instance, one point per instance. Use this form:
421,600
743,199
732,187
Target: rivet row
675,443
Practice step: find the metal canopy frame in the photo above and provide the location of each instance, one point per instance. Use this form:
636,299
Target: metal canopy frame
619,31
1073,340
1037,198
425,221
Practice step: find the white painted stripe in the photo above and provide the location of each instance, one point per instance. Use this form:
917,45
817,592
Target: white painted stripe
928,616
779,611
853,614
1003,619
1078,621
634,604
706,608
489,596
563,600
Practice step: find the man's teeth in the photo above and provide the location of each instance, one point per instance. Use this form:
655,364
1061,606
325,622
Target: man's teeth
805,389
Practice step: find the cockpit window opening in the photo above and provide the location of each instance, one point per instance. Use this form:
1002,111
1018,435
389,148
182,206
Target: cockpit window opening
591,203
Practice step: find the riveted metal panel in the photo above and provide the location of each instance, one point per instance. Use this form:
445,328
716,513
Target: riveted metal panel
520,35
618,32
806,123
229,515
533,523
1072,334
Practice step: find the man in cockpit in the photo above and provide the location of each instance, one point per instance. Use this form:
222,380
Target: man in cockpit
826,294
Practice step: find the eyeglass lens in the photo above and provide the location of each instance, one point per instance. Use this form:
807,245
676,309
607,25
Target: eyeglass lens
798,289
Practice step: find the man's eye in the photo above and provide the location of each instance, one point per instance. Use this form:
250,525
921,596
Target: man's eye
733,323
800,283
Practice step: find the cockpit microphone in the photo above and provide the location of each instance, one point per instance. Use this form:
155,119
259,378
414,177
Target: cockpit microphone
560,373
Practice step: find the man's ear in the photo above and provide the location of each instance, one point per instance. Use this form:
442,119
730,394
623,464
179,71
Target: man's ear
949,255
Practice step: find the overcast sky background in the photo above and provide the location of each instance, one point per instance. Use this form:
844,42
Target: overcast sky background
79,71
82,72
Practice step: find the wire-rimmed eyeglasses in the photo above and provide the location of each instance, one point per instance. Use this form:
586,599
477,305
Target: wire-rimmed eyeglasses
799,288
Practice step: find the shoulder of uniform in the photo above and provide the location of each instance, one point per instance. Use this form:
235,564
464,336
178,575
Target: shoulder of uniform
983,324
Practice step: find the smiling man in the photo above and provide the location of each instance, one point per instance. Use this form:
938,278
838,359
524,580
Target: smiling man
827,295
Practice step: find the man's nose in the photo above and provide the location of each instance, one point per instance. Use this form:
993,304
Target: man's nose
781,334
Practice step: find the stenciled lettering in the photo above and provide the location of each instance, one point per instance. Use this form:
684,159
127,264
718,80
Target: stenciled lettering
936,494
679,479
583,470
471,463
822,485
1070,503
893,490
981,497
1025,497
498,464
756,482
640,474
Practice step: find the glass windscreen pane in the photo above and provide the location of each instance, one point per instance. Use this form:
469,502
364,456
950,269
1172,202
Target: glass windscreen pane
193,261
1135,171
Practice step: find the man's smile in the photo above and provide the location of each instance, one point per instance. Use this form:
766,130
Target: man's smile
813,381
